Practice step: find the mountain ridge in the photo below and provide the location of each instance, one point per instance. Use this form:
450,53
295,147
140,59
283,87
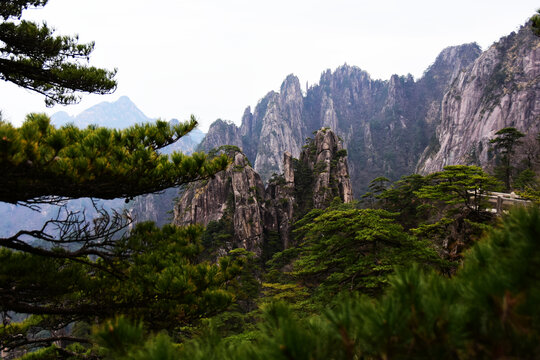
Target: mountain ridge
501,89
376,119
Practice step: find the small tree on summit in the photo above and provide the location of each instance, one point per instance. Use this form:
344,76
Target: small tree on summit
535,20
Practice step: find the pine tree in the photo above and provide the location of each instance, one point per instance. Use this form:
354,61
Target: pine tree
346,249
505,143
76,269
488,310
461,187
456,203
32,57
401,198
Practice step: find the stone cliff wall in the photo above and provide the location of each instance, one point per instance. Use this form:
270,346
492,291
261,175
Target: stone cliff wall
501,89
240,191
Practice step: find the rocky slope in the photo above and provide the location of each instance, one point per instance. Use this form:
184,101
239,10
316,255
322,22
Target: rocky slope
238,199
501,89
386,125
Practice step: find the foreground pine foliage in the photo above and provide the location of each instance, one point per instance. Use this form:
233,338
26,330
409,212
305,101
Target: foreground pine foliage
40,161
488,310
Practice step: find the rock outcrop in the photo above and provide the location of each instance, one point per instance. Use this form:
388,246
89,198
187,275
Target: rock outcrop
238,196
501,89
221,133
327,160
237,191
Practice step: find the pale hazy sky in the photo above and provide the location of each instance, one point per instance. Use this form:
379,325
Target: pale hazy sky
212,58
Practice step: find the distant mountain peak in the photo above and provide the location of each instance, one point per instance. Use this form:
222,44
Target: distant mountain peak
377,119
124,99
119,114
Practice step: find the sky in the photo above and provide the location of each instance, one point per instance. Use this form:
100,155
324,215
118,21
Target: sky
213,58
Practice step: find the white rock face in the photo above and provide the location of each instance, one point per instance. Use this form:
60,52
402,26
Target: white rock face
501,89
282,129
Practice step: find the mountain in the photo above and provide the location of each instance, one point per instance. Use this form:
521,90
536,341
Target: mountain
399,126
119,114
239,212
501,89
123,113
385,125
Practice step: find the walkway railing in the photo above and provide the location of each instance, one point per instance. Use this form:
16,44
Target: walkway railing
504,201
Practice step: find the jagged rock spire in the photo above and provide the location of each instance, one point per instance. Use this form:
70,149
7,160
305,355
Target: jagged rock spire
238,196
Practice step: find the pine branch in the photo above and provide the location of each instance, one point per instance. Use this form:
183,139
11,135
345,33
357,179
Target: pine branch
43,341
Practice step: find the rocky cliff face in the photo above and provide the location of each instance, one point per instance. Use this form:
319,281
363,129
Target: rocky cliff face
276,126
221,133
153,207
238,193
238,196
386,125
501,89
282,128
327,160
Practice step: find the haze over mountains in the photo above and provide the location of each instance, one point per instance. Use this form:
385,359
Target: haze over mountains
389,127
121,114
